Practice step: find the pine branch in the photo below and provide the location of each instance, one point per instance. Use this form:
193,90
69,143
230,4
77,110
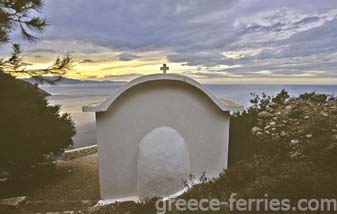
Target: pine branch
15,66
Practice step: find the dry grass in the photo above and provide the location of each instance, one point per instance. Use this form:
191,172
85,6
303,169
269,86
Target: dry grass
73,186
75,180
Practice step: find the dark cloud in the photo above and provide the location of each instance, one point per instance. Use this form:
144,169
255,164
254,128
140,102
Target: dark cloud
87,61
293,37
126,56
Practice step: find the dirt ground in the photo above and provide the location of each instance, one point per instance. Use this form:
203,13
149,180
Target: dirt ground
74,186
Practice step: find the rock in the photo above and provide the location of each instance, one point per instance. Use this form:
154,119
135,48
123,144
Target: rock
283,134
289,107
274,118
259,134
272,123
334,130
255,130
265,115
267,132
295,154
13,202
86,202
294,142
306,117
308,135
324,114
267,127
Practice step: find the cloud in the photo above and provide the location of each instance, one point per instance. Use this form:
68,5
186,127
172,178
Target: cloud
87,61
41,50
247,38
126,56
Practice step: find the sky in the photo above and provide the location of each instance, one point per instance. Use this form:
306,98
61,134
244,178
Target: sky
213,41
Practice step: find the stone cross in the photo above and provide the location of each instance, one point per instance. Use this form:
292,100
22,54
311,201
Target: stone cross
164,68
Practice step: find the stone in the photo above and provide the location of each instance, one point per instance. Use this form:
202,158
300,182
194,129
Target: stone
87,202
255,130
334,130
259,134
274,118
308,135
265,115
283,134
294,142
13,202
324,114
267,127
295,154
158,173
306,117
273,123
289,107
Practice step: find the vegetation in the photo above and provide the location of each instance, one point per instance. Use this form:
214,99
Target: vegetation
32,132
24,16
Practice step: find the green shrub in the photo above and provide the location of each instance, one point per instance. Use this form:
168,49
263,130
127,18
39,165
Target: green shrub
32,133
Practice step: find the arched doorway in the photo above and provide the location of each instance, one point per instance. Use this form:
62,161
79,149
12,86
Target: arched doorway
163,163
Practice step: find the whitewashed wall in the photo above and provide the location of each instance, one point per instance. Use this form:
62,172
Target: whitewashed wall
150,105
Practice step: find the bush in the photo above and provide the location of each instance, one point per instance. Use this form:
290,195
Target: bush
32,133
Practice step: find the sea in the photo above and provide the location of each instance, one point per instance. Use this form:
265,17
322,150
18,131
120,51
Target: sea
72,97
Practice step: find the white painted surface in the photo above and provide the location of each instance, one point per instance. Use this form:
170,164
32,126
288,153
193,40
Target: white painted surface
163,163
224,105
150,105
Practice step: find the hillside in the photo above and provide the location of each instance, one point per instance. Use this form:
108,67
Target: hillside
69,81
